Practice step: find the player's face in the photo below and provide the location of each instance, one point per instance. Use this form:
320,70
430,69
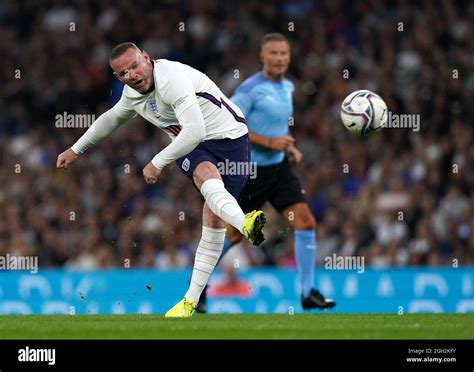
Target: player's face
134,68
275,56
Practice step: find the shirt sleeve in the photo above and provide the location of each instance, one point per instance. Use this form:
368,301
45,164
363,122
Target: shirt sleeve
105,125
192,133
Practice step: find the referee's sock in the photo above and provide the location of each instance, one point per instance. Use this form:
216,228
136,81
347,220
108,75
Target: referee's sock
305,254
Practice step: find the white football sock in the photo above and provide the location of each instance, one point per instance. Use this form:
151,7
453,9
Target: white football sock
222,203
207,256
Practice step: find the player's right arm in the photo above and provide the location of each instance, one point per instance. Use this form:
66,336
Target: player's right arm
104,126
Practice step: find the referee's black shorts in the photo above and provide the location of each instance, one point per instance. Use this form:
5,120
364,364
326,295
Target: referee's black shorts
276,184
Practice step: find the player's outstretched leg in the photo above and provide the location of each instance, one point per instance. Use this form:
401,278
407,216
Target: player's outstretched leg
223,204
253,227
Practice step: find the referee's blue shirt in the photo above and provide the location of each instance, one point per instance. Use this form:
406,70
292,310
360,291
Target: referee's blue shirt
268,107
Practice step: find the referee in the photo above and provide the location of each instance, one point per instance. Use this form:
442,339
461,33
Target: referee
265,99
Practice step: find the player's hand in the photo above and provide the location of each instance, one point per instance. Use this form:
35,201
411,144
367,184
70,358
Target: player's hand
294,155
151,173
281,143
65,158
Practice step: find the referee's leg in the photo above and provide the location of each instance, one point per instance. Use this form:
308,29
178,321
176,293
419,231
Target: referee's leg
301,219
299,216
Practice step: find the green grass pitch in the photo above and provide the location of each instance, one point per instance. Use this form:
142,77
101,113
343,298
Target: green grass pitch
239,326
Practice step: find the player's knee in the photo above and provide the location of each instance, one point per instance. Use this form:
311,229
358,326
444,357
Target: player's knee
205,171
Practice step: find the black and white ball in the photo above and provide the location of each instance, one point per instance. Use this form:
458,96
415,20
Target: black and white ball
364,113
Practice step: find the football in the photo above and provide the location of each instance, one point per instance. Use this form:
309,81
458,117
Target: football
364,113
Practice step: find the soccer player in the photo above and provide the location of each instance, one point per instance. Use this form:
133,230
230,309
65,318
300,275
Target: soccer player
266,101
205,128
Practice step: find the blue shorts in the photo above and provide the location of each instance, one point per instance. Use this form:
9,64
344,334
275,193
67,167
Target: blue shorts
230,156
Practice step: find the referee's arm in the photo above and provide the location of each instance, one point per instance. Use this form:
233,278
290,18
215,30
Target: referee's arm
273,143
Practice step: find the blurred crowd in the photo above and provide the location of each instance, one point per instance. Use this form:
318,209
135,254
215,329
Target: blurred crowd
402,197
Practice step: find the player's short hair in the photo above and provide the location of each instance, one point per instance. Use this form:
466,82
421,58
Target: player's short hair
274,36
121,49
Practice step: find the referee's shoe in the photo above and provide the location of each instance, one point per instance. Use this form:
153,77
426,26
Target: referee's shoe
316,300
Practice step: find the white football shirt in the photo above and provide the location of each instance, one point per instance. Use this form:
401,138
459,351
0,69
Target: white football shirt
177,87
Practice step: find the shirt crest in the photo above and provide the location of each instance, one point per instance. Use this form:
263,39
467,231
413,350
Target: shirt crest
153,107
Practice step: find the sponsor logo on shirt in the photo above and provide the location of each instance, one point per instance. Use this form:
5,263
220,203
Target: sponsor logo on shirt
178,102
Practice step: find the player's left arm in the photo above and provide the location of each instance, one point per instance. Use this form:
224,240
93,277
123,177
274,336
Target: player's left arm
179,93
